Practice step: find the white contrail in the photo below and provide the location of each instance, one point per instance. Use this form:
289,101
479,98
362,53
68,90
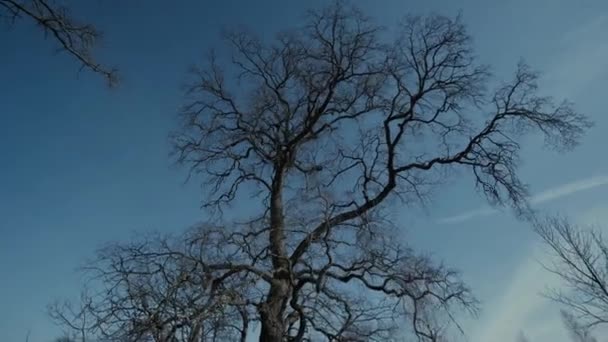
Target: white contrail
568,189
544,196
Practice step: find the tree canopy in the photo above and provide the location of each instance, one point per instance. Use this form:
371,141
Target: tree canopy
322,132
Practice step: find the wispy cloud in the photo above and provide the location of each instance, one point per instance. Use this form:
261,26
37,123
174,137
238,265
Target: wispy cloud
542,197
570,188
522,308
467,215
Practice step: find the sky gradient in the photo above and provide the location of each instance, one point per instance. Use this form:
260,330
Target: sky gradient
83,164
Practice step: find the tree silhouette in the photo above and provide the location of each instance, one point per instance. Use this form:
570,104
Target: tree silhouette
330,127
580,260
75,38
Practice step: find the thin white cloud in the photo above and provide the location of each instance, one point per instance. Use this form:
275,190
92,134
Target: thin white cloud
516,309
542,197
568,189
483,211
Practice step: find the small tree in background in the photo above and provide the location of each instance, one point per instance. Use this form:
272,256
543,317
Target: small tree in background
580,260
578,332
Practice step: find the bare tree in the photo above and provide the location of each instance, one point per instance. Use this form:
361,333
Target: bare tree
329,127
578,332
581,263
73,37
76,320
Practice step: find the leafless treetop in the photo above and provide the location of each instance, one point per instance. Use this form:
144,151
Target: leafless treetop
325,126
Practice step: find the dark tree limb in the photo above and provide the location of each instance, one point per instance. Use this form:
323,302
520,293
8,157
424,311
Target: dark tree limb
74,38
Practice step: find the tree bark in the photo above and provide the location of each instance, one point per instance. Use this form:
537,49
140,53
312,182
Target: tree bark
273,325
272,311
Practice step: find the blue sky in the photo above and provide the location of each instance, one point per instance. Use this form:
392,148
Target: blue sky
83,164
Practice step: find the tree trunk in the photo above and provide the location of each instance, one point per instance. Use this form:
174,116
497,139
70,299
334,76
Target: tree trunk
273,324
272,311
